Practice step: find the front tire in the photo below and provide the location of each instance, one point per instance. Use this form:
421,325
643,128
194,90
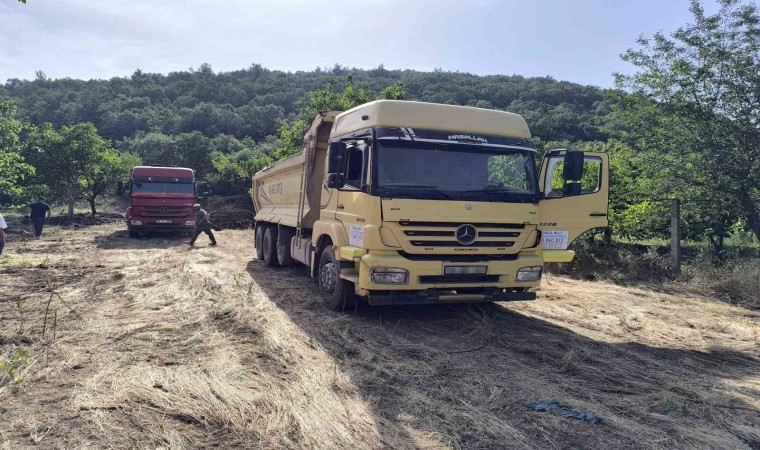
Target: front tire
337,293
269,250
134,234
259,242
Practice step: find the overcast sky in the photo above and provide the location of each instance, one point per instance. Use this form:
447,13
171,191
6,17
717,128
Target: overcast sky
575,40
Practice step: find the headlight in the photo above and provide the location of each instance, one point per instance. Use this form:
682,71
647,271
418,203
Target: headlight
389,275
135,222
532,273
189,223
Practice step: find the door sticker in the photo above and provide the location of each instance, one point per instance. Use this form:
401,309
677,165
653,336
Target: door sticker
356,236
556,240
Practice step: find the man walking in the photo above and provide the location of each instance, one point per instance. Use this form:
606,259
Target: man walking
3,226
202,225
40,213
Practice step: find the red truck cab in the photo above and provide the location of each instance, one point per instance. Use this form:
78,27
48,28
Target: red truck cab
161,199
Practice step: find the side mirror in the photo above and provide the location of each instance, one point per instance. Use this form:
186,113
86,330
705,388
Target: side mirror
336,157
335,180
573,170
120,188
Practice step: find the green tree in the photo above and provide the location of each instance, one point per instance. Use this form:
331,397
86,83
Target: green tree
64,158
186,149
327,99
108,168
13,169
694,111
233,171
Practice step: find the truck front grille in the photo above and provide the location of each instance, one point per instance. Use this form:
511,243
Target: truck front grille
165,211
442,236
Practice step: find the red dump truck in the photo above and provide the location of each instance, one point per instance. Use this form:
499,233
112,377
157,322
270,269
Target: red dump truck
161,199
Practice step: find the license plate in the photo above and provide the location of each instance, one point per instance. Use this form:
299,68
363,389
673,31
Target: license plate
458,270
163,221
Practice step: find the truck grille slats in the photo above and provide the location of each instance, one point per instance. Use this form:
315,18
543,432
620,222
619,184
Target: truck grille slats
453,243
444,238
518,226
443,235
165,211
427,233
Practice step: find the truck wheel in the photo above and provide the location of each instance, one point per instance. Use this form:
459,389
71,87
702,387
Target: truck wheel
337,293
134,234
259,242
269,249
283,246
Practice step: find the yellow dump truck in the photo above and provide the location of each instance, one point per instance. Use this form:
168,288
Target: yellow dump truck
398,202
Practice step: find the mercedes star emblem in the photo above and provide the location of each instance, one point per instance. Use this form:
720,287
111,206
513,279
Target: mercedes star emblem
164,209
466,234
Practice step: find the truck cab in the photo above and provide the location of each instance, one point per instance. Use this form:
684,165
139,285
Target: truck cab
161,199
408,202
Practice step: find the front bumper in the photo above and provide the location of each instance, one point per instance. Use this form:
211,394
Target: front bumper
428,283
144,223
445,296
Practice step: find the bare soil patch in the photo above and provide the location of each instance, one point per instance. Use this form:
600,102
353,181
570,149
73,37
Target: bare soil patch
149,343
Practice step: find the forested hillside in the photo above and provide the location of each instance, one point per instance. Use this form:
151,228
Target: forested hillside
252,103
229,125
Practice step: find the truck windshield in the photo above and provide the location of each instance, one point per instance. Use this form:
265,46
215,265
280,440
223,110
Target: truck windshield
425,170
152,187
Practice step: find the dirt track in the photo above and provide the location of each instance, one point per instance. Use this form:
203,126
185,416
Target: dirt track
158,345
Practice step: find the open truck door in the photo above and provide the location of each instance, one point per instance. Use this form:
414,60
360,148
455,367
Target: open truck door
575,193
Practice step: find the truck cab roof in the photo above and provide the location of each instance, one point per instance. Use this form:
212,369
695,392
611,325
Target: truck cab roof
430,116
163,172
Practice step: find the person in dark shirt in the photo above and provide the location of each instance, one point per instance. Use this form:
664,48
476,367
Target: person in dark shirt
40,211
202,225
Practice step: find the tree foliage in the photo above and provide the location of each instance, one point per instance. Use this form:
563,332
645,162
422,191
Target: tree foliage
74,161
13,169
693,111
108,168
254,102
214,121
327,99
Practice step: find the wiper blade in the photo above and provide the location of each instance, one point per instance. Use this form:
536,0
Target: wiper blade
428,187
527,196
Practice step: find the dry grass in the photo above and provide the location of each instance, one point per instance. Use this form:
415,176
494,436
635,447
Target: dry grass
158,345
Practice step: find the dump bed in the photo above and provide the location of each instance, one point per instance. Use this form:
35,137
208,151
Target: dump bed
289,191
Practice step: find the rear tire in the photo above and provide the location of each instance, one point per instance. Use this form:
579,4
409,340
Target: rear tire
337,293
259,242
284,235
269,249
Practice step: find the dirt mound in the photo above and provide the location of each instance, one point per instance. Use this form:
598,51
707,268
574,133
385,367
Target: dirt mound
234,212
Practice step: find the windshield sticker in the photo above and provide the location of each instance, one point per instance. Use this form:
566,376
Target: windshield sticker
468,138
556,240
453,136
356,236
